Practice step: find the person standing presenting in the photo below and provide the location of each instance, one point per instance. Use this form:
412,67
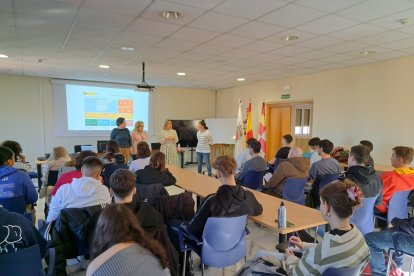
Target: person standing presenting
205,139
137,135
121,135
168,139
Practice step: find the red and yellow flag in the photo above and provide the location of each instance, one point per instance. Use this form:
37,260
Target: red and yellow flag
262,131
249,130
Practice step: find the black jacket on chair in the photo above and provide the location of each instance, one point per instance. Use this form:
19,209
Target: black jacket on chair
150,175
229,201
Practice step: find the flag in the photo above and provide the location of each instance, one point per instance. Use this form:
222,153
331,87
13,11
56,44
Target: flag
249,130
238,148
262,131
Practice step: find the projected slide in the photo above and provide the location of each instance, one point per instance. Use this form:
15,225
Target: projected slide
97,108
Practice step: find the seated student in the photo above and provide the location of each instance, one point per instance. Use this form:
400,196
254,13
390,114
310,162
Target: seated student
113,155
121,247
20,160
14,182
364,176
124,191
57,160
67,177
382,240
17,232
255,164
343,246
295,166
83,192
244,155
314,145
155,172
282,153
400,179
230,200
142,157
370,147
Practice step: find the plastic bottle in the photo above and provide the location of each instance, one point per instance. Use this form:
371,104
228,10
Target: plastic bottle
281,216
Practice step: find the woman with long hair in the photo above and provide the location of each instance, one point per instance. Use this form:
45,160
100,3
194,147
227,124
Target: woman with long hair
120,246
168,139
155,172
57,160
142,157
205,140
137,135
343,246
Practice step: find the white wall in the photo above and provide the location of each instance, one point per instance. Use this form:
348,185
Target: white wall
373,101
27,113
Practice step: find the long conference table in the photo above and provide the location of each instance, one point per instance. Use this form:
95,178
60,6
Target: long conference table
300,217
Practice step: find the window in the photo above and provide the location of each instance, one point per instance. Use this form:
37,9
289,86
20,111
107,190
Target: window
303,120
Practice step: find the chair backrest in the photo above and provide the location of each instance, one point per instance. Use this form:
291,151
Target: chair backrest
398,205
149,192
26,261
52,177
344,271
253,179
14,204
65,169
109,169
294,190
363,217
224,241
327,178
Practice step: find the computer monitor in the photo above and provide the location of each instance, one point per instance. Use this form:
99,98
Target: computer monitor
101,146
79,148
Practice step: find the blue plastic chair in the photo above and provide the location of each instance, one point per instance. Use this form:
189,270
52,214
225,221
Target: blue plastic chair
26,261
363,217
397,207
327,178
224,242
344,271
253,180
294,190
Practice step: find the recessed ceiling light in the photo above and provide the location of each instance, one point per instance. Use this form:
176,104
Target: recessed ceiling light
104,66
3,56
241,79
170,14
181,74
290,37
405,21
127,48
368,52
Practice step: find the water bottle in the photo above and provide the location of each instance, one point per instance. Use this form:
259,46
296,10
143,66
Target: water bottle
281,216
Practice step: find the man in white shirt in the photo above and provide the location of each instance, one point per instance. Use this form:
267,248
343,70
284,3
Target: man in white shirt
83,192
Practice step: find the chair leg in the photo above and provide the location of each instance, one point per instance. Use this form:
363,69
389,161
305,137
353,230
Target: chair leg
316,234
389,261
202,269
223,272
184,262
411,266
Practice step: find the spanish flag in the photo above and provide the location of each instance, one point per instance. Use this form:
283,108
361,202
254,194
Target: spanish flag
249,130
262,131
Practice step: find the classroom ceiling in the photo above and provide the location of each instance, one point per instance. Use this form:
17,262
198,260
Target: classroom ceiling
214,42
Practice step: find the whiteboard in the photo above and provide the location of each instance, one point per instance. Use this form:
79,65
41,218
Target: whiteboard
222,129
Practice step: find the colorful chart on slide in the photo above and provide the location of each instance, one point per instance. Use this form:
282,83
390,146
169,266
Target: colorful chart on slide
102,111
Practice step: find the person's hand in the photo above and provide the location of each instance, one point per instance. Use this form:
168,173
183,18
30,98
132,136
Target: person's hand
390,225
296,241
22,158
288,253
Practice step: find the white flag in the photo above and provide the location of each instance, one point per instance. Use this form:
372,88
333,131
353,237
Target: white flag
239,143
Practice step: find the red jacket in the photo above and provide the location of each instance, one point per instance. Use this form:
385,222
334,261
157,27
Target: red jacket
400,179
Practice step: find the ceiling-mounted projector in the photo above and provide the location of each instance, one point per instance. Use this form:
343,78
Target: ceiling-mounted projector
144,85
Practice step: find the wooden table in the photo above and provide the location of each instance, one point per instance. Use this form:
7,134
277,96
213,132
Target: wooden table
300,216
378,167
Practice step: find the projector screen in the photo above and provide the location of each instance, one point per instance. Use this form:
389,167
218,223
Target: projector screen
91,109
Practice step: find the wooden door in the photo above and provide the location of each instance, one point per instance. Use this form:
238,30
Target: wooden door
278,123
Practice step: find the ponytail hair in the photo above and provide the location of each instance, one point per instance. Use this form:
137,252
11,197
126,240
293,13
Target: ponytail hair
203,123
343,197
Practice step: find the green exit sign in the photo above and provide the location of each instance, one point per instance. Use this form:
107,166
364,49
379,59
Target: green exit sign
285,96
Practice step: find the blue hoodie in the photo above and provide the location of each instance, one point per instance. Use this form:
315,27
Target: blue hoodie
16,183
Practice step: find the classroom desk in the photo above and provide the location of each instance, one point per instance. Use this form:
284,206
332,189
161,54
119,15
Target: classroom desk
301,217
378,167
